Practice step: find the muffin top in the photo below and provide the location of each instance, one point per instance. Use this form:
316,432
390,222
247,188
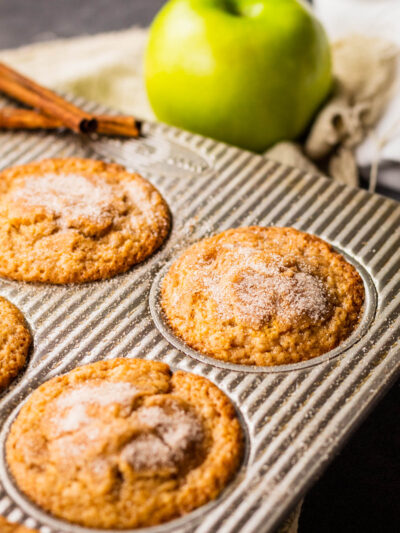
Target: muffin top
76,220
262,296
15,340
124,443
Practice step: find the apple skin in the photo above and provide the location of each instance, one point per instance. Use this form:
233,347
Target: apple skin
246,72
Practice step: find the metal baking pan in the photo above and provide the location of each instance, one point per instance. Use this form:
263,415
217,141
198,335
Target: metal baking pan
296,417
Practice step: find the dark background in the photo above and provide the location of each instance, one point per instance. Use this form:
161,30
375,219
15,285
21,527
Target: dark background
27,21
359,492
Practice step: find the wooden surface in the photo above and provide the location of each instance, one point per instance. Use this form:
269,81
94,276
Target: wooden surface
359,491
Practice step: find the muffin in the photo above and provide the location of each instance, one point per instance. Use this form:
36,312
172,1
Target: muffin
76,220
262,296
15,340
124,443
8,527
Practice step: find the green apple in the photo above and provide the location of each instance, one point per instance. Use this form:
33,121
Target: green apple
247,72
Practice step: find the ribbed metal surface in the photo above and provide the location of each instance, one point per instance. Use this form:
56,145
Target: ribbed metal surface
295,419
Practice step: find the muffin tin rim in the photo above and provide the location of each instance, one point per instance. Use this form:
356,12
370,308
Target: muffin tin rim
369,310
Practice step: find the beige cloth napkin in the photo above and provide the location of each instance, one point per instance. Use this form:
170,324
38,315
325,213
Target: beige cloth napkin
365,71
107,68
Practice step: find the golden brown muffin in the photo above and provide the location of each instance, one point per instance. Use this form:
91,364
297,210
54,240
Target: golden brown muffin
75,220
262,296
124,443
15,340
8,527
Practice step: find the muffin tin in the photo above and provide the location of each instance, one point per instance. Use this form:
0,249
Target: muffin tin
296,417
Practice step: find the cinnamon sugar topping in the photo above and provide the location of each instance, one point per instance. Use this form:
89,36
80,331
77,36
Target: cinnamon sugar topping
72,406
169,436
68,196
253,291
164,436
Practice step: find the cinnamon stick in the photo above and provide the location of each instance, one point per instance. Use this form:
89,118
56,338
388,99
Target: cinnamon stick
27,91
123,126
54,111
16,119
26,119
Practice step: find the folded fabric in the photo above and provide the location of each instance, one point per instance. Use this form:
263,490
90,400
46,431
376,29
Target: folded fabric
365,72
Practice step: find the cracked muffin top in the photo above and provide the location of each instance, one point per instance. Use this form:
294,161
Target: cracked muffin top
124,443
15,341
75,220
262,296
